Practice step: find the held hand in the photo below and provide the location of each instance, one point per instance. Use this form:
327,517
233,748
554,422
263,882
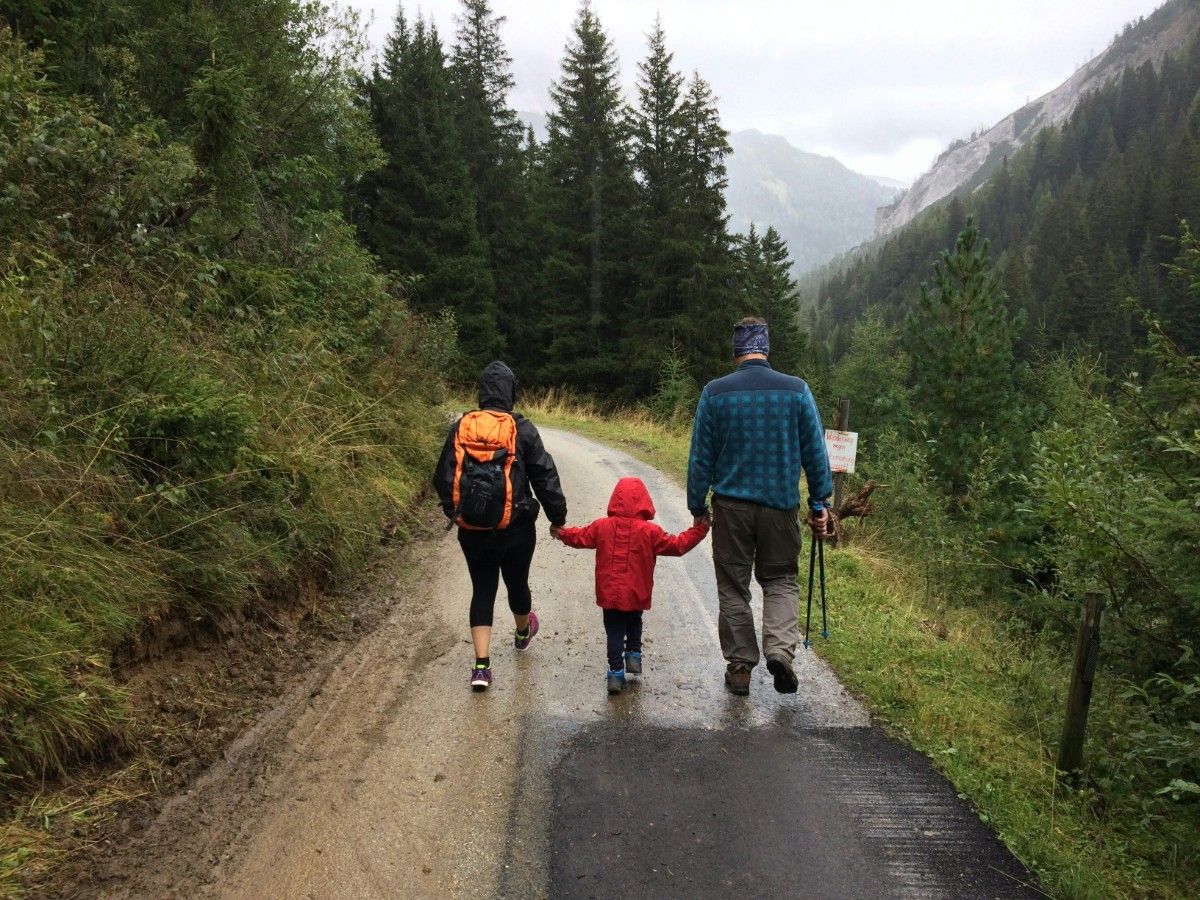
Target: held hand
821,524
555,530
831,526
705,518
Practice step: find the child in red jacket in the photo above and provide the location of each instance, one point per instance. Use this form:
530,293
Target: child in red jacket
627,544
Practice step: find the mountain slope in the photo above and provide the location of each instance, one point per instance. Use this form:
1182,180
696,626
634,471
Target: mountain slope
820,207
966,164
1076,219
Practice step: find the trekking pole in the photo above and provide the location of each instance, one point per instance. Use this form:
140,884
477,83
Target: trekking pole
824,621
812,564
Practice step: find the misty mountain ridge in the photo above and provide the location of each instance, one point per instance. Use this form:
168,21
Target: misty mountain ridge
966,164
819,207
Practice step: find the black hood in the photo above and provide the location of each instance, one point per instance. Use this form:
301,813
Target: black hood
497,387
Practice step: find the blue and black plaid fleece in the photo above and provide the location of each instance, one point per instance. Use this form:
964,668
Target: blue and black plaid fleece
754,431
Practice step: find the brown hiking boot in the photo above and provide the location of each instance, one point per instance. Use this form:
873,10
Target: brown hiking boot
737,679
786,681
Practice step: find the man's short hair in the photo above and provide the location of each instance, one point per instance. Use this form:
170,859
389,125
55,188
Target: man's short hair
751,320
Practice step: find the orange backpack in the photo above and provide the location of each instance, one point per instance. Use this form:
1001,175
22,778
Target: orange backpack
485,451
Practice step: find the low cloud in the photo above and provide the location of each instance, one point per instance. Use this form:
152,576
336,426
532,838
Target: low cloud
874,80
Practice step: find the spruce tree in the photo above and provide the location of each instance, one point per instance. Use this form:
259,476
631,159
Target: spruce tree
657,127
708,287
661,253
961,342
589,205
489,130
417,213
789,343
766,288
685,262
490,135
527,326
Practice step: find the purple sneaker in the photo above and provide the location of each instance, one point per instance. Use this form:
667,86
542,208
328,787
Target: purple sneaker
481,679
522,643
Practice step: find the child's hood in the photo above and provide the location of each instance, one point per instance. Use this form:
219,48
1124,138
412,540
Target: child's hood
631,500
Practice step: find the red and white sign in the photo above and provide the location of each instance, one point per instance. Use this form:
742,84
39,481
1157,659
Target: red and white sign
843,448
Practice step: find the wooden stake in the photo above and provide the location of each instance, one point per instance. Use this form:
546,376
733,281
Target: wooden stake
1083,673
842,423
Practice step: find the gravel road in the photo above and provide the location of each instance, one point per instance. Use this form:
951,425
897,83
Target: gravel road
384,776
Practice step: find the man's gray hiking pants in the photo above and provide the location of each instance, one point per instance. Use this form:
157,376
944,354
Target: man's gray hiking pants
751,538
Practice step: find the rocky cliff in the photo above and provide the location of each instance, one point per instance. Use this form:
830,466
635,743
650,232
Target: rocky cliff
967,164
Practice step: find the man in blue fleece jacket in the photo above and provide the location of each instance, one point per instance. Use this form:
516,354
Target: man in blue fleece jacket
755,429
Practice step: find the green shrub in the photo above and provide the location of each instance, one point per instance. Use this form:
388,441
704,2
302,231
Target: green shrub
675,397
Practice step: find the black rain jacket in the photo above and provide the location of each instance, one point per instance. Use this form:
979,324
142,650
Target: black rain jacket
498,390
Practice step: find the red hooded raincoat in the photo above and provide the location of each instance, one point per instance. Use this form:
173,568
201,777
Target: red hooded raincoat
627,544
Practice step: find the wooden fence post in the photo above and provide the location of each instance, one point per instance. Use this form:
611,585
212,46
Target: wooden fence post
842,423
1083,673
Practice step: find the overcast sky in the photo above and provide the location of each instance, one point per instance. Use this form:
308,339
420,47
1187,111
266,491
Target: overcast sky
883,85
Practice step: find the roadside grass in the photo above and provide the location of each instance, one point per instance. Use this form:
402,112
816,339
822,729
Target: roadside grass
100,561
94,564
30,842
968,687
665,445
199,425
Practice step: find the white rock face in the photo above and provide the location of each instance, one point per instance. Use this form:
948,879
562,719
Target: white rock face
968,164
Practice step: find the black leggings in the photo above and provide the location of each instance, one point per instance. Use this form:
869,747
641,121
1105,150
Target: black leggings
624,631
489,555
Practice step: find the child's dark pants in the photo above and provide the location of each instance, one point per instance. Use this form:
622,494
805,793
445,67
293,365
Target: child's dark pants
624,630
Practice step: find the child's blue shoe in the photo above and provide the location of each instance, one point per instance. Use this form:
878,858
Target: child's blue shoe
616,681
633,663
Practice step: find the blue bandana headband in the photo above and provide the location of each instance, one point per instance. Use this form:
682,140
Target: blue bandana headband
750,339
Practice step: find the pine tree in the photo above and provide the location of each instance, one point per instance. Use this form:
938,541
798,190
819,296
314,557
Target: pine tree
685,263
491,134
766,289
489,130
662,257
528,325
788,342
708,287
589,205
961,342
417,213
657,126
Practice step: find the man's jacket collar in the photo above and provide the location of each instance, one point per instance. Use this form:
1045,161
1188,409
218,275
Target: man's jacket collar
753,362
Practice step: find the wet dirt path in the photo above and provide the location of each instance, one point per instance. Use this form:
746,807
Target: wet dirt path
387,777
